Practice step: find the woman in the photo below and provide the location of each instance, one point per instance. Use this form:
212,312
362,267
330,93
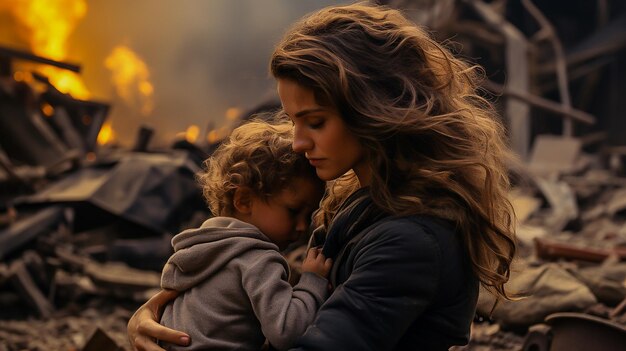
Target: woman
416,209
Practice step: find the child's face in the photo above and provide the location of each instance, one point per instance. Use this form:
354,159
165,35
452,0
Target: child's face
285,216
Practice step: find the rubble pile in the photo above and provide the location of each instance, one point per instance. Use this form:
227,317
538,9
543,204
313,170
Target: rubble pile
84,327
84,229
571,235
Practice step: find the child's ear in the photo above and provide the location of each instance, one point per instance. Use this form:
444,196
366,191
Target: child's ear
242,200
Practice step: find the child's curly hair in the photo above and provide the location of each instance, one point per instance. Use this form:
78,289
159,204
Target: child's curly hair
256,155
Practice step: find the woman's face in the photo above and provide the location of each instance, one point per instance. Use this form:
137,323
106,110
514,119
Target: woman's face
321,134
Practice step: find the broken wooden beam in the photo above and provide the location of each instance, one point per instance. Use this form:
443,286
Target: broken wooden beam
561,65
517,69
29,228
19,54
541,102
24,283
120,277
551,250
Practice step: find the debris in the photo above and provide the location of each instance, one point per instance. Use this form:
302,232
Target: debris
546,289
117,277
582,332
538,338
554,155
100,341
562,201
550,250
22,281
28,228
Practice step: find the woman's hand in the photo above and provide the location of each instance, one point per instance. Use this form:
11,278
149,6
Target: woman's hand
143,327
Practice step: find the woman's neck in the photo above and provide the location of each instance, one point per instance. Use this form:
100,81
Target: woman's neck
363,174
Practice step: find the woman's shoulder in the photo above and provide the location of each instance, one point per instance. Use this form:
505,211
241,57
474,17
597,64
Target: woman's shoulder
414,228
417,235
424,239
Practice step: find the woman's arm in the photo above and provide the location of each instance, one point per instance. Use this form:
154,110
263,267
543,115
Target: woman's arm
143,327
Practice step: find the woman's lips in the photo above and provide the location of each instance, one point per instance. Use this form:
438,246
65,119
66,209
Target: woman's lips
315,162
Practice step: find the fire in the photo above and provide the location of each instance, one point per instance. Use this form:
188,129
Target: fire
66,82
21,76
233,113
212,137
218,134
192,133
106,134
46,25
131,78
49,23
47,110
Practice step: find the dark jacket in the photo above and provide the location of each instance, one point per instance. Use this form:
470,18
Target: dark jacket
401,283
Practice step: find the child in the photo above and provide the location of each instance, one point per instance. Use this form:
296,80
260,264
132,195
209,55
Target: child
231,275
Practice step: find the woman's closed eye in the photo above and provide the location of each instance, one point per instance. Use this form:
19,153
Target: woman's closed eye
316,124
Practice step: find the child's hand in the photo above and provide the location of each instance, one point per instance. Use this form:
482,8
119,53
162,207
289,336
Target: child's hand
315,262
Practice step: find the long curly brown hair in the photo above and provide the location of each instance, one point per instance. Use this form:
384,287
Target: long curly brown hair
434,145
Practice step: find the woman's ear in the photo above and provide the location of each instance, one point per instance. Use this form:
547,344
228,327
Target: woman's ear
242,200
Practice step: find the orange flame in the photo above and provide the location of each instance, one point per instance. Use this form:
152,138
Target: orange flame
212,137
106,134
21,76
192,133
46,25
131,78
47,109
233,113
218,134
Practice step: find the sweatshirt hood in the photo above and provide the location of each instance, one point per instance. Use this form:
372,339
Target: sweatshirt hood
201,252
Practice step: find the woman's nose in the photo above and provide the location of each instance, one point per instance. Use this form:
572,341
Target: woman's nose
300,142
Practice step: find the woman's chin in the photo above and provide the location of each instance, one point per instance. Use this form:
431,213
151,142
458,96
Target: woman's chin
326,175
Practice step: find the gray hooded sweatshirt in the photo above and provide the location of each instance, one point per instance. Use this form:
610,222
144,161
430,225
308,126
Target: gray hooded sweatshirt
235,291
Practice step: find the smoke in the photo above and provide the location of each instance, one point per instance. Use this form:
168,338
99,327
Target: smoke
204,57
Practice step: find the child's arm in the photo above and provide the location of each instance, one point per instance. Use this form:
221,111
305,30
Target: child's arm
285,312
315,262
